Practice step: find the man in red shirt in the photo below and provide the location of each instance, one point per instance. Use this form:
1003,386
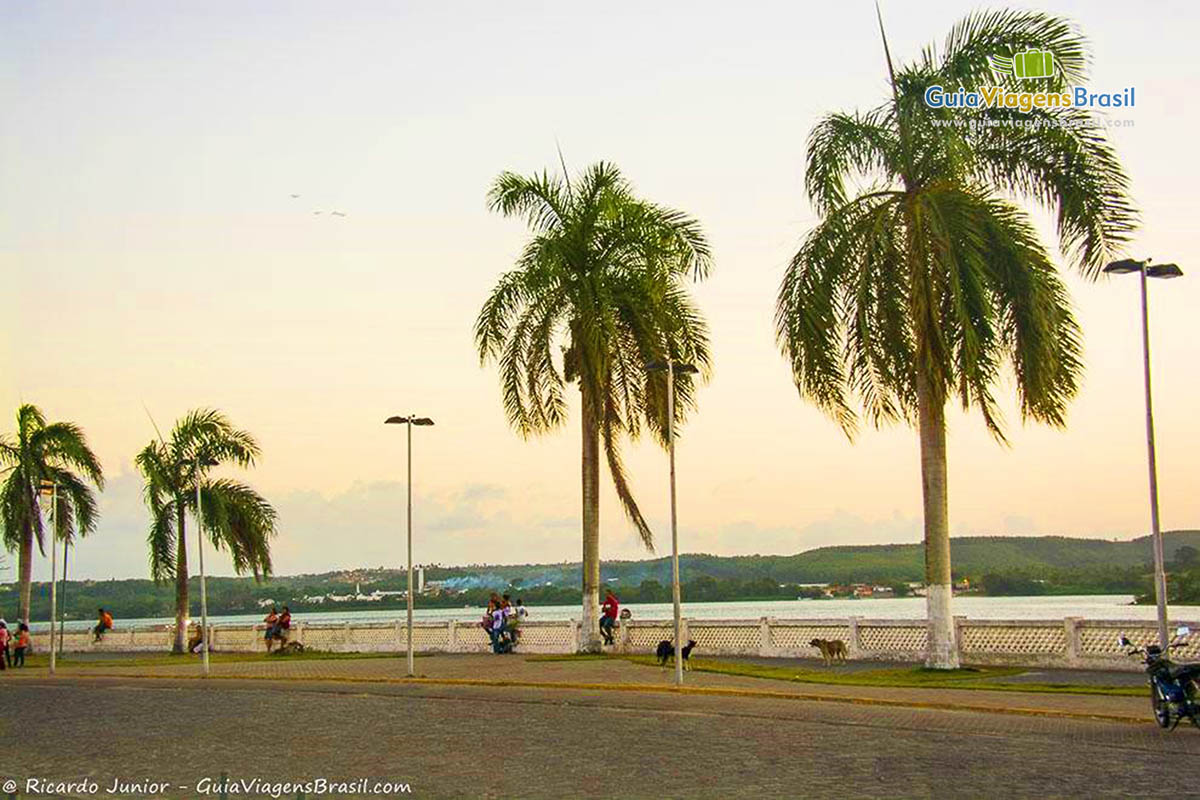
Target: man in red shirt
609,620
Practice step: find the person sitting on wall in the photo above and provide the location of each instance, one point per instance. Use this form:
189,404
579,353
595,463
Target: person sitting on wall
279,631
104,623
609,620
195,638
515,618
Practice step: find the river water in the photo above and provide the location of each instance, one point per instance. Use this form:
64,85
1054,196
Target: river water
1098,607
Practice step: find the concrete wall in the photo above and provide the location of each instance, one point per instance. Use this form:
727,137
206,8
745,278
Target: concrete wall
1070,642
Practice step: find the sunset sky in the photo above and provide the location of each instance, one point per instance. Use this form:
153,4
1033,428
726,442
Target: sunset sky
154,261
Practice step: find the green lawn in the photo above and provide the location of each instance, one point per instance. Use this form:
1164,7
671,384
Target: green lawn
167,659
989,678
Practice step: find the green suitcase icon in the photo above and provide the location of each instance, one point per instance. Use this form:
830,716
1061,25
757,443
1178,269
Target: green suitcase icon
1033,64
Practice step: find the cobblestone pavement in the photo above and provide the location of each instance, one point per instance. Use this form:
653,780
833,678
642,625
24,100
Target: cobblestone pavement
490,742
608,672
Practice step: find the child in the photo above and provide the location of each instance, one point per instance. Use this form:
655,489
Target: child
4,656
23,644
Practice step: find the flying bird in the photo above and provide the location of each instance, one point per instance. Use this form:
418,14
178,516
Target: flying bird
338,214
316,212
295,196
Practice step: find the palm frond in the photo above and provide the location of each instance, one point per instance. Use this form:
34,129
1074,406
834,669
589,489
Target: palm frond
239,520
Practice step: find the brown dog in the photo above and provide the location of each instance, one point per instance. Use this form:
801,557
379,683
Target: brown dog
831,649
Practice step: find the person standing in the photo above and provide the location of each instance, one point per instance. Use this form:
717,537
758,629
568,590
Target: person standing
270,620
23,644
5,658
500,641
609,621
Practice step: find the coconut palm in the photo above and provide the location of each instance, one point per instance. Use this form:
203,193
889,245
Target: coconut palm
41,451
236,518
932,282
597,292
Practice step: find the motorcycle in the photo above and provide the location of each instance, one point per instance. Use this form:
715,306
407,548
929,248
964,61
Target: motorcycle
1174,692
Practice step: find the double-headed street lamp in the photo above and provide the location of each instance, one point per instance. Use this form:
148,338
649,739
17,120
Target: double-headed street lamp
198,463
1148,270
50,489
671,369
410,421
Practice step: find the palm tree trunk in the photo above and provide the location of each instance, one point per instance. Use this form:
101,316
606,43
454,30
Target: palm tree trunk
25,567
181,585
589,639
942,650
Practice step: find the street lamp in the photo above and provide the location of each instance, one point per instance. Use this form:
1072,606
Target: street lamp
50,489
1146,269
410,421
197,463
671,369
62,612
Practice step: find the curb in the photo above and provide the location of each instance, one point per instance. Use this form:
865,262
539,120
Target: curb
651,689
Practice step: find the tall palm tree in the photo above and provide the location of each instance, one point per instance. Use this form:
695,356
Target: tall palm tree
42,451
931,282
597,292
236,518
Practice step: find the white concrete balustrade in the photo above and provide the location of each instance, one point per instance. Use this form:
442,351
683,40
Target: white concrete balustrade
1069,643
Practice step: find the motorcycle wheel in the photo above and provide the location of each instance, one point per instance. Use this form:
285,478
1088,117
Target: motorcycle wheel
1162,712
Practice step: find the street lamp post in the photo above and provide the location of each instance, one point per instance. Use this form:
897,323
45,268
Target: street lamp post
62,612
1145,269
410,421
50,489
671,368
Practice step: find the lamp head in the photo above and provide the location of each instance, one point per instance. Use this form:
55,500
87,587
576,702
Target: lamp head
1124,266
1164,271
409,420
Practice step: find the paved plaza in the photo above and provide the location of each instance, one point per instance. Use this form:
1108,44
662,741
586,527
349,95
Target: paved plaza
449,736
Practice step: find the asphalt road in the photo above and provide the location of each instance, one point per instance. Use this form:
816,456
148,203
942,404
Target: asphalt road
458,742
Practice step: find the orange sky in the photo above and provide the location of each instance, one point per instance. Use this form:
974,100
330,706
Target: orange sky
153,258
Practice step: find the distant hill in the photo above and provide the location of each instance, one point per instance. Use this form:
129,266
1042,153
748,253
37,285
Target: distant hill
971,556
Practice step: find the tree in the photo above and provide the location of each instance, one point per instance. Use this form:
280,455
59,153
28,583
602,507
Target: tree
602,278
1186,557
235,518
41,451
924,286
